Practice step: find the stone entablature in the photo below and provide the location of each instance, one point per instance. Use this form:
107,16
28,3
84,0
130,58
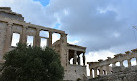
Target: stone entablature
105,63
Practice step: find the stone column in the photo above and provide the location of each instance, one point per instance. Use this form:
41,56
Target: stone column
95,72
8,38
37,38
63,50
101,70
50,39
23,37
91,75
78,60
129,62
121,63
108,70
84,59
114,64
75,57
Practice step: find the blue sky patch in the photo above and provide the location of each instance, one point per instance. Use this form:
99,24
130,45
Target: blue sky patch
43,2
57,25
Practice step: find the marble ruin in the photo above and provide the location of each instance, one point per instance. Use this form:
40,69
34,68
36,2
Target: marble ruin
11,23
108,69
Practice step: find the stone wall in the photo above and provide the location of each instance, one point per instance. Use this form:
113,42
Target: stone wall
119,74
76,72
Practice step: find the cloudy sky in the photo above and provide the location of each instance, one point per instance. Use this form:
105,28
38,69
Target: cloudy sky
103,26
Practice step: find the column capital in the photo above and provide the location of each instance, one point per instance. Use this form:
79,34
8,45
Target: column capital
129,59
25,26
51,32
10,24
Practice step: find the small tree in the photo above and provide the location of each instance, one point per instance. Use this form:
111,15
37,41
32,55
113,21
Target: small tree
32,64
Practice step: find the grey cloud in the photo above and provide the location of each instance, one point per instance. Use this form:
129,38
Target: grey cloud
98,30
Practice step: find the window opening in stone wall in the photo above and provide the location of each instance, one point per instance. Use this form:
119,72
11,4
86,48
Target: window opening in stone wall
110,65
93,73
71,61
15,39
55,37
104,72
125,63
44,34
117,63
98,71
43,42
88,70
133,61
30,40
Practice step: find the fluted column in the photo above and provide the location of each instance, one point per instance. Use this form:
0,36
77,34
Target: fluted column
121,63
75,57
95,72
91,75
8,39
50,39
129,62
23,36
84,59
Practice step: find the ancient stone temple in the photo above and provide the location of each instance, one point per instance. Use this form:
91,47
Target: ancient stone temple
11,23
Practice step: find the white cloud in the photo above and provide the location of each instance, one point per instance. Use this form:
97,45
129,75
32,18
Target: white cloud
73,42
96,55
